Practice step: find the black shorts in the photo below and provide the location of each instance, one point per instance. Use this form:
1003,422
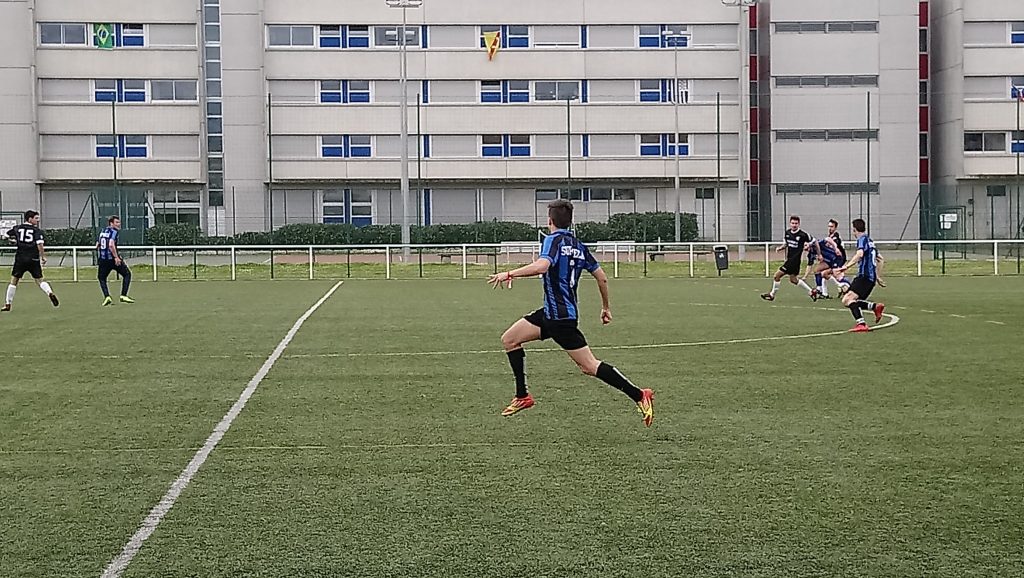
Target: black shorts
862,287
791,266
33,267
565,333
105,266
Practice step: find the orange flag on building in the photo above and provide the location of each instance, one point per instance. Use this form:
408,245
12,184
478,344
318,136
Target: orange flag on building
492,41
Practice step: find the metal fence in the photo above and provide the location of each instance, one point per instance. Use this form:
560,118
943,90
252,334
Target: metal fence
476,261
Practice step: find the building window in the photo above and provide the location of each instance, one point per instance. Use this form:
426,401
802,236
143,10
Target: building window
330,36
62,34
556,36
623,194
825,188
562,90
543,195
988,142
684,91
106,146
290,35
705,194
135,146
519,145
362,207
995,190
492,145
132,35
332,146
490,91
519,91
650,145
359,91
1017,87
649,36
1017,33
491,29
388,35
359,146
104,90
684,145
650,90
174,90
823,81
675,35
1017,144
358,37
133,90
824,27
333,207
829,135
330,91
518,36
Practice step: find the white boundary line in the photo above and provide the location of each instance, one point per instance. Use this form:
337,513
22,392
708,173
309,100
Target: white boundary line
119,564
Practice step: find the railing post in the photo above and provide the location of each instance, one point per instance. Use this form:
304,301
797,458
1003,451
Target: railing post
233,264
465,270
995,255
74,263
387,261
767,260
311,262
615,248
691,260
154,263
920,270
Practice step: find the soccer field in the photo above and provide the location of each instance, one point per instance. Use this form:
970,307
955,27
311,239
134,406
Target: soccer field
374,446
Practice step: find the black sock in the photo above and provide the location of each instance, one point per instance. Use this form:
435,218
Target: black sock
866,305
855,309
612,377
517,359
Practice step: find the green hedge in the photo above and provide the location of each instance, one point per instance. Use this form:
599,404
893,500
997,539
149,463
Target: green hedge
640,227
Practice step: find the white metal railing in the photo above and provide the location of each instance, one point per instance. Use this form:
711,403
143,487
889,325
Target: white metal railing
685,255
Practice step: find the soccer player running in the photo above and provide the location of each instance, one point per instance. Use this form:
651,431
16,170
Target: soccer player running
109,260
864,283
795,243
829,260
563,258
29,258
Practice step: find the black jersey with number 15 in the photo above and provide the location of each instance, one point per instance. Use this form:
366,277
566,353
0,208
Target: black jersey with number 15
795,243
27,238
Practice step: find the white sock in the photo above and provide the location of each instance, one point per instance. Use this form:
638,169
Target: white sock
824,288
775,287
10,293
46,288
803,285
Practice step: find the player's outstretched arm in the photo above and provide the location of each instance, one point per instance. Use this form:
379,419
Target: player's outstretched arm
538,267
856,259
602,285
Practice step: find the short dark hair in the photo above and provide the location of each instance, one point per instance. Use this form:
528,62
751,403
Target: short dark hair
859,225
833,222
113,218
29,215
794,218
560,213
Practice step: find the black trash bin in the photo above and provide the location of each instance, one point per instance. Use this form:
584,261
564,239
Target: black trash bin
721,258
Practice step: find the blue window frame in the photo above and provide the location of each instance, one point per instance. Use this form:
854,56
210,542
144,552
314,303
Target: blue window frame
490,91
330,91
132,90
134,146
359,146
583,36
493,28
492,145
518,36
1017,144
105,146
519,145
518,90
650,36
1017,33
423,36
652,90
358,91
104,90
130,35
684,145
358,36
426,91
332,146
586,145
426,146
330,36
650,145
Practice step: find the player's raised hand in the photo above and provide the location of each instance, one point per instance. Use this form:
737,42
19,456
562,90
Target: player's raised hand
500,279
606,316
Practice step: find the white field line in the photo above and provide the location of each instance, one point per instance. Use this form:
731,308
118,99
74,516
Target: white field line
296,448
996,322
119,564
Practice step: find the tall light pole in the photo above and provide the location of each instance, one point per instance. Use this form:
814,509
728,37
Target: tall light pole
674,35
404,111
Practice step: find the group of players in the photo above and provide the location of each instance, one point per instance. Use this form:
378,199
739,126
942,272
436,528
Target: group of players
30,256
827,259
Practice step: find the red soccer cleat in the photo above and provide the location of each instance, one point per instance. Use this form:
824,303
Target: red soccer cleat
879,308
860,328
646,407
518,404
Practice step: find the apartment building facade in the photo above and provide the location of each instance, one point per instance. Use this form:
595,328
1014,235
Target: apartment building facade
979,85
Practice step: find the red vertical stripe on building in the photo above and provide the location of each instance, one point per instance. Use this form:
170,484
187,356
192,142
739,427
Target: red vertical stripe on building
923,14
753,17
755,117
924,67
753,68
925,172
755,173
924,119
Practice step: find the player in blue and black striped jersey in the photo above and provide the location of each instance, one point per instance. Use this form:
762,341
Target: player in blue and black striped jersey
864,283
563,259
110,260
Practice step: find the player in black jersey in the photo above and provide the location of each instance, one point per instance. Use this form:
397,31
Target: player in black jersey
795,245
29,258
